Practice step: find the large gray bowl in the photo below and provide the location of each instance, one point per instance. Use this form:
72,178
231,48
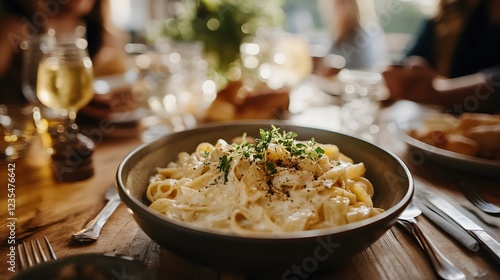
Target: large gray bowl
307,251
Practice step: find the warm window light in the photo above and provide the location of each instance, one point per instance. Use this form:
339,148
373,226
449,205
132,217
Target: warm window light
120,12
130,14
250,48
280,58
175,57
251,62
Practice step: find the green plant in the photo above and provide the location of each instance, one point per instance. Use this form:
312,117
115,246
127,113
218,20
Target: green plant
220,24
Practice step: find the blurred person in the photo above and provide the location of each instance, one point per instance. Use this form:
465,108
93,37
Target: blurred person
454,61
357,34
24,18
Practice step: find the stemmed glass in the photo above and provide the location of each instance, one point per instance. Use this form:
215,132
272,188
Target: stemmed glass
45,118
64,80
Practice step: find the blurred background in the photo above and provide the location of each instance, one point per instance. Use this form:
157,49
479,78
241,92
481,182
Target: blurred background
167,65
400,19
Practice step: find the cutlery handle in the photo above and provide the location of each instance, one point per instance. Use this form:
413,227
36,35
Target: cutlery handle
489,244
444,268
91,231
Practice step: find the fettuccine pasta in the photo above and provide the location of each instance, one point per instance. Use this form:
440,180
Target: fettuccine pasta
269,184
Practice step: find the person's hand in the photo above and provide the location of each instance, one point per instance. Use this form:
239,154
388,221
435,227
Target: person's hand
412,82
415,62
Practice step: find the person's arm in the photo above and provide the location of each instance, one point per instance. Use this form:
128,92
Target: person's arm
479,92
111,58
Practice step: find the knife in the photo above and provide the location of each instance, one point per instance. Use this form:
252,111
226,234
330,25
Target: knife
488,243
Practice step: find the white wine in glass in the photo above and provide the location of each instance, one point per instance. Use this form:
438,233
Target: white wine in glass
64,85
64,80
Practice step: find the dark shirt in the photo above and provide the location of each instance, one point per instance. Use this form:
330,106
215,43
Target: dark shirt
477,49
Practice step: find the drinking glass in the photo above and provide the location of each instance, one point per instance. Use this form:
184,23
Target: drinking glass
360,102
64,80
16,130
175,81
46,119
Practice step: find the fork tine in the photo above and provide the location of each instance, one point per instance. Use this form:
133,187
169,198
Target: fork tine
40,251
475,198
34,252
27,255
34,255
49,247
22,259
473,195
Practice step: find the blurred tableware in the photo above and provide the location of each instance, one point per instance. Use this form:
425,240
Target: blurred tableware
64,84
114,100
360,102
276,58
33,50
17,129
92,230
477,200
64,79
273,252
442,221
86,267
488,243
174,81
46,119
420,152
34,254
443,267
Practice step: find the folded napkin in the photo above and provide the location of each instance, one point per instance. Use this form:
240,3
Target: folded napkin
440,219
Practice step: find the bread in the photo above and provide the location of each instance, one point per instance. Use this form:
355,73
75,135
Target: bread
460,144
469,120
473,134
486,135
234,102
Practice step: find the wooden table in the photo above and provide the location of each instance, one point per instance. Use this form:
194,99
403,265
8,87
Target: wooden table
44,207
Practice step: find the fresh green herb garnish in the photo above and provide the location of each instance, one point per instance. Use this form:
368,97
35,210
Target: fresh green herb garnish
225,163
271,168
258,150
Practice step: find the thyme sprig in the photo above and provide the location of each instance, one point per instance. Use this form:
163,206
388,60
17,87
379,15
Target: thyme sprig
258,150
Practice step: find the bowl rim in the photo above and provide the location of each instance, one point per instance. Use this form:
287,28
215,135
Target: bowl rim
399,206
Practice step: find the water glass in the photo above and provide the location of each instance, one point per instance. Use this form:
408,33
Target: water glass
175,81
17,129
360,102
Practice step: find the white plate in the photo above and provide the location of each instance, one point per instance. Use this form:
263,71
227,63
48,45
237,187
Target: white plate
104,84
469,164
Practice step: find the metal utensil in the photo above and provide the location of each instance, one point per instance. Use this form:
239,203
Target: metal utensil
489,244
91,231
29,258
443,267
475,198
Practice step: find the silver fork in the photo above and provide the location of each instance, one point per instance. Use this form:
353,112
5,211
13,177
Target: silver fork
34,254
443,267
475,198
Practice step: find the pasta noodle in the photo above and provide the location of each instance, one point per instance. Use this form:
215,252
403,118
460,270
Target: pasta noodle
269,184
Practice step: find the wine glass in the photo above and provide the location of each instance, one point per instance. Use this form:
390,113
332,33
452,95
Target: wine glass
45,118
64,80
